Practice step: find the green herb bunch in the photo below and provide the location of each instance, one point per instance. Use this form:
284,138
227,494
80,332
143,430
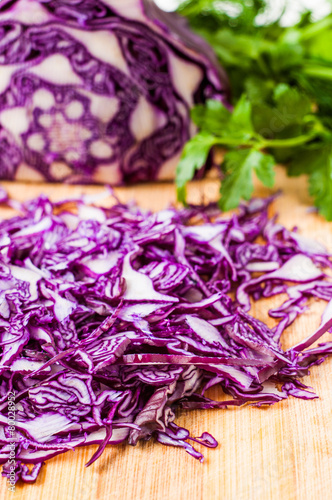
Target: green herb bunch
281,82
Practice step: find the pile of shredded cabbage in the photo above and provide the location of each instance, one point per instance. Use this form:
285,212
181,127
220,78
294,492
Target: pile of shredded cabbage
112,318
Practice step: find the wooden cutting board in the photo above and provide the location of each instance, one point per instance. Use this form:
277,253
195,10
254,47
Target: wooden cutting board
279,452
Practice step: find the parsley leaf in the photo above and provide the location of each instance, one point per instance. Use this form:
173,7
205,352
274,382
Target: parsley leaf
264,168
211,117
317,163
238,183
240,123
194,156
320,183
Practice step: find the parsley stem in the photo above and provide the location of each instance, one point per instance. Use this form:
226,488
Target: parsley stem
229,141
287,143
314,29
261,143
324,72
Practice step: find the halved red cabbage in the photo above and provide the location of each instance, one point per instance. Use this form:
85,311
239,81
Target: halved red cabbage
98,91
113,318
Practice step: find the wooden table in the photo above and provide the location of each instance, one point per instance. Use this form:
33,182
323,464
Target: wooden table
280,452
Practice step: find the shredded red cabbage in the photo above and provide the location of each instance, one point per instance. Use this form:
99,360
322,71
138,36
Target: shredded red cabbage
112,318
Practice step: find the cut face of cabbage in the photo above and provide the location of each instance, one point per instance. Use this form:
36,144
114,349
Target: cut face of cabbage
98,91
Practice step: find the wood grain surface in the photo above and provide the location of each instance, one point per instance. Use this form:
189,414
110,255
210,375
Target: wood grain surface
279,452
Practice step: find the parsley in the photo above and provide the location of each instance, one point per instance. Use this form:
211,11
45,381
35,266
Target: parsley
239,166
281,81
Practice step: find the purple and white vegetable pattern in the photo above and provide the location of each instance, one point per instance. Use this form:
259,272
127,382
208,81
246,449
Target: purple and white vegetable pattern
98,91
111,319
